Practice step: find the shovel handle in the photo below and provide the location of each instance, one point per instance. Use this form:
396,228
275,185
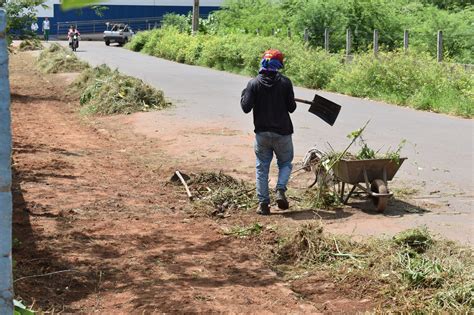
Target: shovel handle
303,101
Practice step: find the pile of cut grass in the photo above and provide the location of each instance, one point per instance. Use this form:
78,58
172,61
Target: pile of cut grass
58,59
30,44
107,92
410,272
219,193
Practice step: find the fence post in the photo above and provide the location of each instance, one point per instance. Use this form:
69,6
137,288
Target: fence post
376,42
258,31
6,281
439,50
289,32
326,39
195,25
273,31
306,35
348,42
405,40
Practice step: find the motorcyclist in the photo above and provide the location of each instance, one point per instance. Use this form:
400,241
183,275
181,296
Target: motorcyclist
70,35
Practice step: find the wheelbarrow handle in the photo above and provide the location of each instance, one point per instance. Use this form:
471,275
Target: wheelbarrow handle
303,101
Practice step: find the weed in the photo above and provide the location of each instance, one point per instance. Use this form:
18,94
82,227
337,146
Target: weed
412,271
245,231
408,79
418,240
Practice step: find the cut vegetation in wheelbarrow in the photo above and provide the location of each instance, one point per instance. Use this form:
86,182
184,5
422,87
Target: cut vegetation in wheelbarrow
334,170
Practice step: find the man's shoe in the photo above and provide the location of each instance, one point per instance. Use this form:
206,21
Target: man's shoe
263,209
281,200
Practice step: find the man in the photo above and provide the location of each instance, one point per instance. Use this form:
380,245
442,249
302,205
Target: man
270,95
46,28
34,27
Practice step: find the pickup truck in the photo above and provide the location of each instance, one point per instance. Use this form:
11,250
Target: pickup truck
119,33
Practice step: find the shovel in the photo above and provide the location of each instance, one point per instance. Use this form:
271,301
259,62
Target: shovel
323,108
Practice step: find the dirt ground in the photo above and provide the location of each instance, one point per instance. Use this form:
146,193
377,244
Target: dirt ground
98,229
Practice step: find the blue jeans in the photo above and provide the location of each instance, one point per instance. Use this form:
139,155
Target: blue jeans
265,144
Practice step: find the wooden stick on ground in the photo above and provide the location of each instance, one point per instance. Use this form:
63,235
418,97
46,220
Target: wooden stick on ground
185,185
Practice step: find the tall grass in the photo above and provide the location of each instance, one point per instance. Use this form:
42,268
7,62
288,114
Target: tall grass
413,79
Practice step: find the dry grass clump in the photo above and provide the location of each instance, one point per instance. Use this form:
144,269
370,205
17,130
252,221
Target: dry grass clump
106,92
30,44
222,192
410,272
57,59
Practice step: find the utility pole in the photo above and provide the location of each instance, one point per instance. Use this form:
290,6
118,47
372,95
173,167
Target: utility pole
195,17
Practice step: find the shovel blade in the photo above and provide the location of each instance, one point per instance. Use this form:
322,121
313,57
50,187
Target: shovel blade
325,109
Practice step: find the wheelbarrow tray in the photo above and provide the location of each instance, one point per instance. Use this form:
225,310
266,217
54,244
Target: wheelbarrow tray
352,171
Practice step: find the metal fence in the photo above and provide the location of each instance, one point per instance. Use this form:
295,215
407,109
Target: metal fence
325,34
6,281
94,28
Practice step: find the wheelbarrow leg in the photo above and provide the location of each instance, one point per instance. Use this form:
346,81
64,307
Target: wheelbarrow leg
342,191
349,195
366,178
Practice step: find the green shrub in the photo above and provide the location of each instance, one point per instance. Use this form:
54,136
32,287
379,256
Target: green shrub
154,38
313,68
139,41
408,79
178,21
412,79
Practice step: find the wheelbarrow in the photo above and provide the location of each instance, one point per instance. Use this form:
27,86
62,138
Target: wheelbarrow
374,173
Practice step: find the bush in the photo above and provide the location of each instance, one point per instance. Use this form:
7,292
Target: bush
408,79
139,41
414,79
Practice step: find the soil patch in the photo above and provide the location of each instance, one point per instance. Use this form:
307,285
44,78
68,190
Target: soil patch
92,209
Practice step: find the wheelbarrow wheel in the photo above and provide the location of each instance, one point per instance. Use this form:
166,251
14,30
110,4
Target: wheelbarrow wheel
378,186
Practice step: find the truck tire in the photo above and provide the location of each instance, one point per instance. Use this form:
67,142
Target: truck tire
107,43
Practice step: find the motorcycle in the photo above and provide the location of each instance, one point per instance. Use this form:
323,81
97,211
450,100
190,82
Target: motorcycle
74,42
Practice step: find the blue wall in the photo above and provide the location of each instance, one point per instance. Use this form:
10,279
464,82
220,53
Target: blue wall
115,12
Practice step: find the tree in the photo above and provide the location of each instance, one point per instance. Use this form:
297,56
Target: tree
20,15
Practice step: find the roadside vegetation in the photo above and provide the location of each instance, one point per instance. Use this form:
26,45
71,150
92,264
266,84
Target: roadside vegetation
409,79
422,18
228,41
411,272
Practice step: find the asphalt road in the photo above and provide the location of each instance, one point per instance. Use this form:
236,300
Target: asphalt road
439,147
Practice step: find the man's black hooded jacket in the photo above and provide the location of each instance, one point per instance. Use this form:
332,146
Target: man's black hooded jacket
271,97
